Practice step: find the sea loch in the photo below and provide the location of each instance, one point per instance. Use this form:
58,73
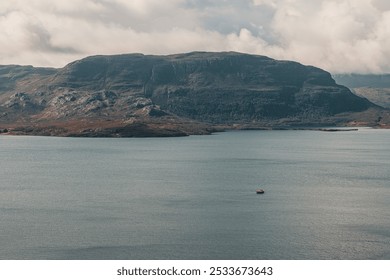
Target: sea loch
327,196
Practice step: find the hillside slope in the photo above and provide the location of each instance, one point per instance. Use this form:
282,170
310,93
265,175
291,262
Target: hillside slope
375,88
193,93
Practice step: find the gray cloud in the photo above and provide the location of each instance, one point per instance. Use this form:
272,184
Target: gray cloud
40,40
338,35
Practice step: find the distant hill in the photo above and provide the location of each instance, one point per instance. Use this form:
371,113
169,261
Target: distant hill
193,93
375,88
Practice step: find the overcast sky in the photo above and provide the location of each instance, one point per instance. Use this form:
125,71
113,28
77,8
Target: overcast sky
337,35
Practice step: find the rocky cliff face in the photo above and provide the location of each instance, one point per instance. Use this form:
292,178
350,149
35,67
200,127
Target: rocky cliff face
176,94
236,87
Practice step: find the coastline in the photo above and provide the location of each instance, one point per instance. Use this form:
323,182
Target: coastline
146,130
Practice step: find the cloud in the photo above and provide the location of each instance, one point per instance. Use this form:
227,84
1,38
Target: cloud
382,5
338,35
341,36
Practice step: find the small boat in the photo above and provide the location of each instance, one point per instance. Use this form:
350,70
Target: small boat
259,191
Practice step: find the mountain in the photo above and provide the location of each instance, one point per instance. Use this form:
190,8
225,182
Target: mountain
174,95
375,88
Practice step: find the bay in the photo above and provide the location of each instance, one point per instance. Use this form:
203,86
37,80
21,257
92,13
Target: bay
327,196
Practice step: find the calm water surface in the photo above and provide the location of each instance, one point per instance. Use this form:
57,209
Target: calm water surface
327,196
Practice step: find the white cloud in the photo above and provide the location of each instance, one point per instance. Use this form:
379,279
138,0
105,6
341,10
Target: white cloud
272,3
338,35
341,36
